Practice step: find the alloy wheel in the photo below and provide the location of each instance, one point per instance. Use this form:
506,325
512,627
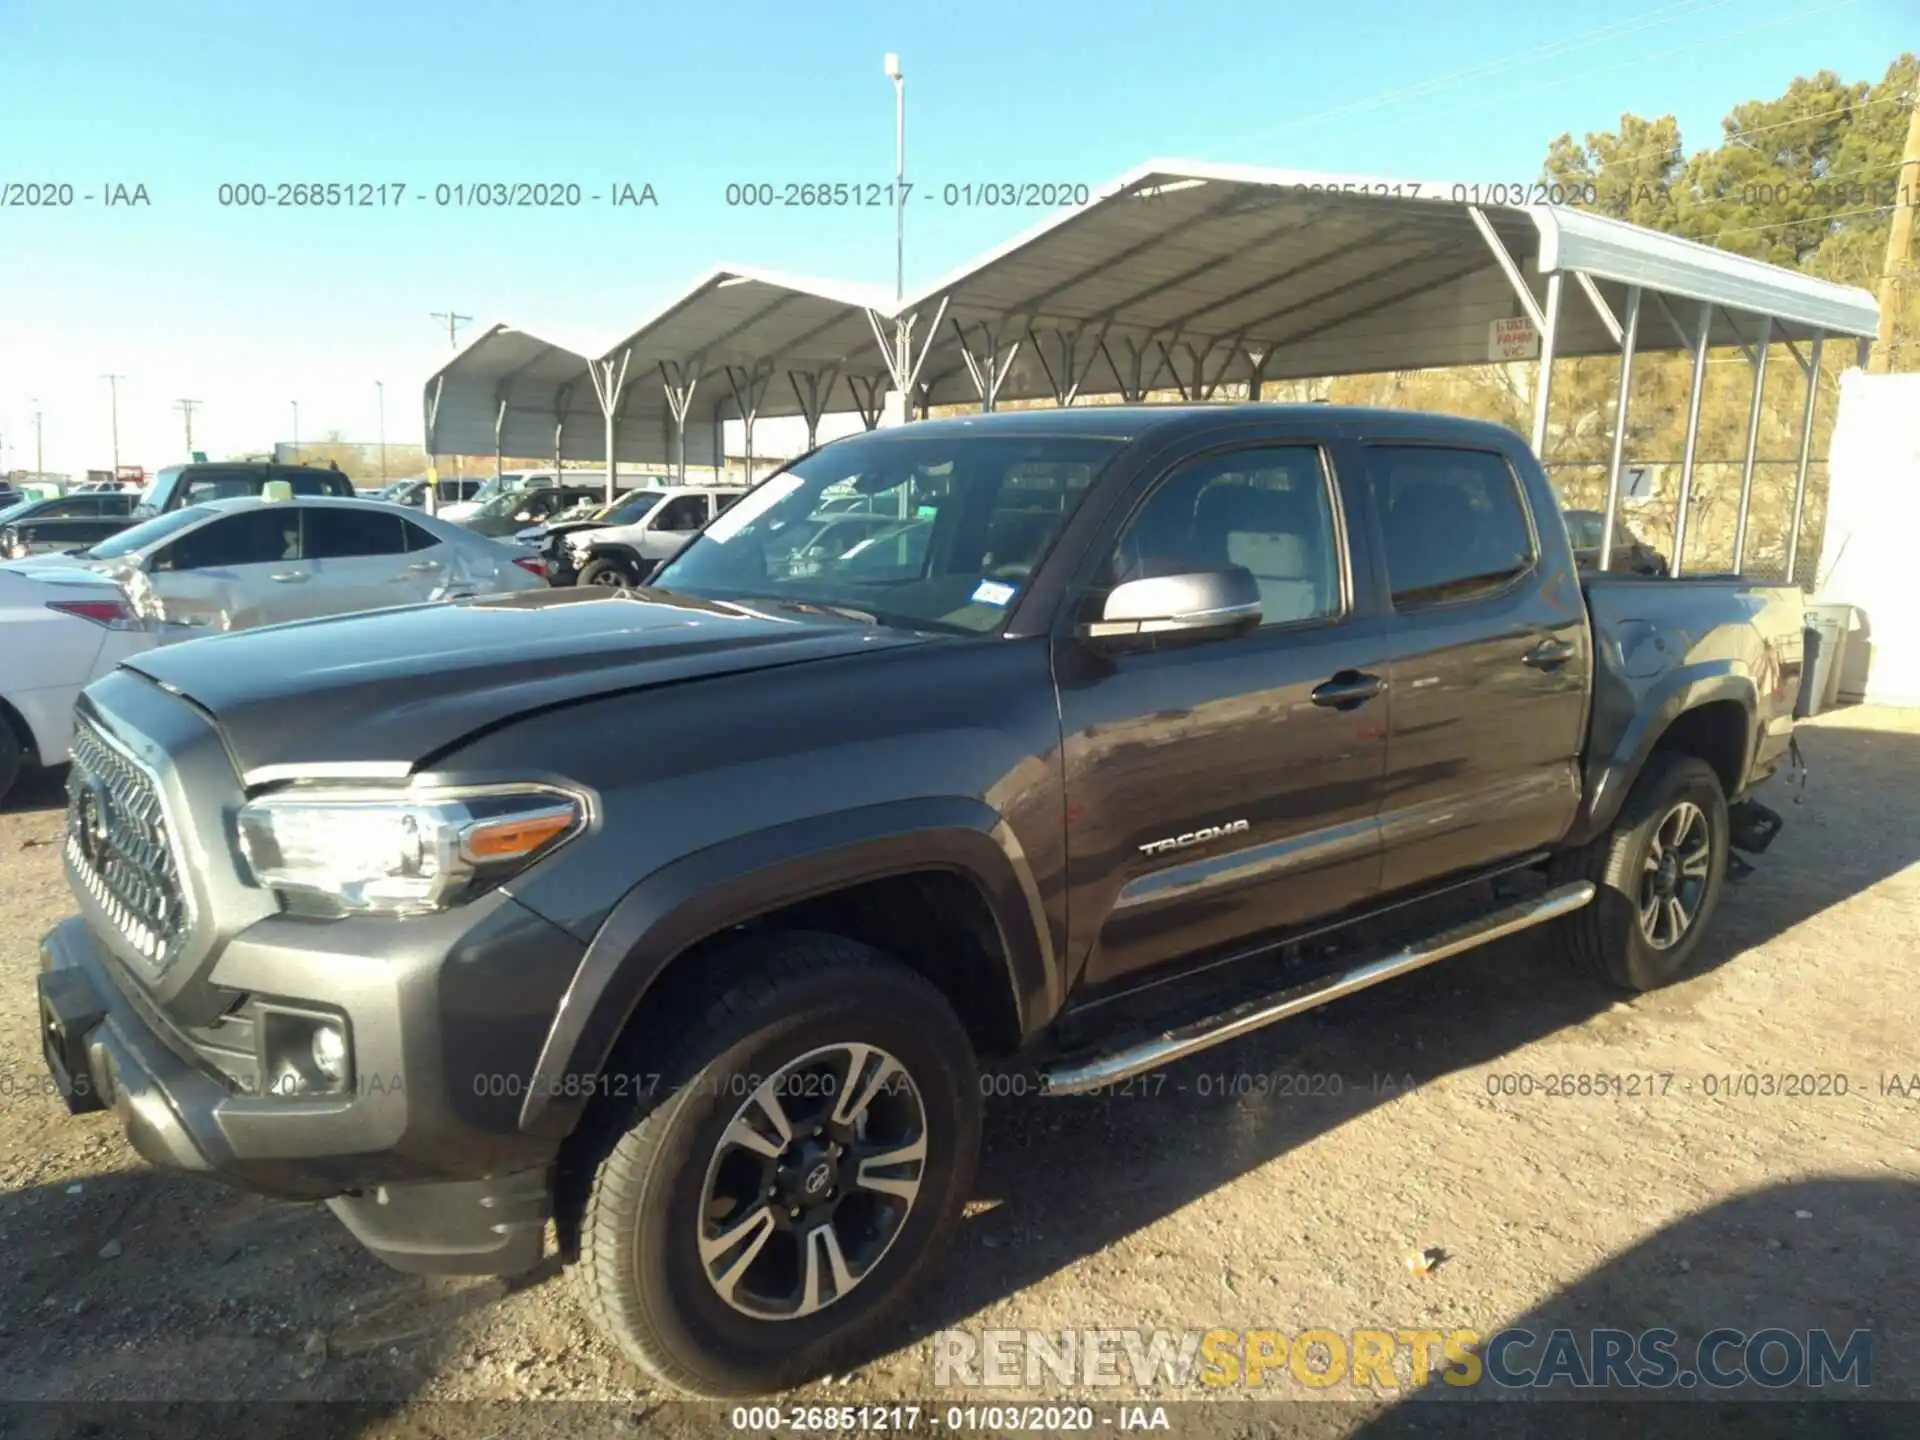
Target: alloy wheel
812,1181
1674,879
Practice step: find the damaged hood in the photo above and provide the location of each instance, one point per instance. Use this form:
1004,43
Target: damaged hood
402,685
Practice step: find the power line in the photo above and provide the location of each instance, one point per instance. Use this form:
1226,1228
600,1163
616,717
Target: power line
1550,50
1674,150
1809,220
1508,94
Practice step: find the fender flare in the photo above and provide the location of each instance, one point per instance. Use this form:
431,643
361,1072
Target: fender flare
1611,777
727,884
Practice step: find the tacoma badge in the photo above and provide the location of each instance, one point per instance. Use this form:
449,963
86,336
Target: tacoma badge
1194,837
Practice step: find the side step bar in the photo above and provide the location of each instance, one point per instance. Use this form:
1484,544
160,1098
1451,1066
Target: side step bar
1071,1077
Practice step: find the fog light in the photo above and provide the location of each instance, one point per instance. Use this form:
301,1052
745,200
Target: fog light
330,1053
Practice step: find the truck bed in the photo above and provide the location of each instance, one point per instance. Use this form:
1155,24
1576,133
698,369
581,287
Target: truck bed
1663,646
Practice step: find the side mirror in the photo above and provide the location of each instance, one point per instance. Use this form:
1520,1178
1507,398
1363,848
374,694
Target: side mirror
1203,605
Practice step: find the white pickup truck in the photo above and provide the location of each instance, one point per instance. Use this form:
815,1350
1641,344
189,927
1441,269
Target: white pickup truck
624,555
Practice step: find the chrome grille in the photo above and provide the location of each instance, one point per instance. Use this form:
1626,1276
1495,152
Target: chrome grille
119,846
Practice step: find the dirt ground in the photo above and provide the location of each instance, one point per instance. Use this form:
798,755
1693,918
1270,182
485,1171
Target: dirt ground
1209,1198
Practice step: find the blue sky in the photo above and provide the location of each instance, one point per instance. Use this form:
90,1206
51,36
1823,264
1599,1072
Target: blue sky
247,310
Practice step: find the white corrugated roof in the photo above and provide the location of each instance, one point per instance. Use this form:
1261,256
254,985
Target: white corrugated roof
1336,274
1179,263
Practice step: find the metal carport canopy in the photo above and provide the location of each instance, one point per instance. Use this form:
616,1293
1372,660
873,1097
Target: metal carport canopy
510,392
1186,274
741,342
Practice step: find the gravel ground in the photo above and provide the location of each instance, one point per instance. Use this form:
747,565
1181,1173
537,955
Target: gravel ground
1706,1199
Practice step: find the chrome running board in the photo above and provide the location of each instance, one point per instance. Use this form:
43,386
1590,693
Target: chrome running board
1073,1076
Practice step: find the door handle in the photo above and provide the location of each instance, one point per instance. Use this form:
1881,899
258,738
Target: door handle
1547,654
424,565
1348,689
289,577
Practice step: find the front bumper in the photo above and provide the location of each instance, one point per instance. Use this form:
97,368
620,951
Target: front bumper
413,1170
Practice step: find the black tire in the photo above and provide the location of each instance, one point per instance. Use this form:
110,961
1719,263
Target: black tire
608,572
650,1204
13,757
1609,936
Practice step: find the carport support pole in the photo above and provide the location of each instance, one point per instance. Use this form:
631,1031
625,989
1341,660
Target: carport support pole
1760,348
430,502
1698,389
1543,383
499,424
1806,453
610,385
1629,336
612,435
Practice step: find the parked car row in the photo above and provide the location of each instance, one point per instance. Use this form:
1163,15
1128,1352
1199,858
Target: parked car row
212,566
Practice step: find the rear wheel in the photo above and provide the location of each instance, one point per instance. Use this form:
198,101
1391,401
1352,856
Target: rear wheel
13,757
1657,876
762,1216
611,573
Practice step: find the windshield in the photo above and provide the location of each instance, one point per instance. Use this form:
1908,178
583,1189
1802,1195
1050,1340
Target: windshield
503,503
1583,529
14,512
935,533
161,482
147,532
630,509
497,486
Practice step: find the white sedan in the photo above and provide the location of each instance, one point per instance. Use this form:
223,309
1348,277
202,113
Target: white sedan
58,631
222,565
235,564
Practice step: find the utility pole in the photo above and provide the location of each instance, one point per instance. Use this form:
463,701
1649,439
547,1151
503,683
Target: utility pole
296,431
113,388
39,461
381,387
454,322
1897,272
185,407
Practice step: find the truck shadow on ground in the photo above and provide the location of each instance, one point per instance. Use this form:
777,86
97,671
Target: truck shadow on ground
37,790
216,1295
1834,1253
1077,1174
137,1285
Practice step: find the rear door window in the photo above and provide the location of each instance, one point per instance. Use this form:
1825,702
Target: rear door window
683,512
340,534
418,536
1454,522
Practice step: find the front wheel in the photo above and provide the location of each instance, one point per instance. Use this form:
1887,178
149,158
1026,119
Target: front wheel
1657,876
803,1168
610,573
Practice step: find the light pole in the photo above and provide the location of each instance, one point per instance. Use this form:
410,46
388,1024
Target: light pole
39,460
113,388
381,387
296,430
898,76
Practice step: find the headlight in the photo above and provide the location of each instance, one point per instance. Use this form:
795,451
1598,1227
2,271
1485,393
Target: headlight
406,852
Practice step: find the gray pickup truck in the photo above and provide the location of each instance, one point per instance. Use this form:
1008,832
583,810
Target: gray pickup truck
685,918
